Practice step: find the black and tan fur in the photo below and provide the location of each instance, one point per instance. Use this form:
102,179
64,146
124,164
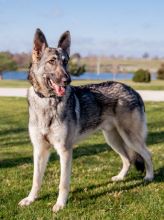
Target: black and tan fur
60,115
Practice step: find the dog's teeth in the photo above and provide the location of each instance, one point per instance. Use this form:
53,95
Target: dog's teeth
52,82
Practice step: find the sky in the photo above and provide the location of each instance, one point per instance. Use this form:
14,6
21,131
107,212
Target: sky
98,27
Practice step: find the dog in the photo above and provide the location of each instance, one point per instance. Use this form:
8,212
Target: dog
61,114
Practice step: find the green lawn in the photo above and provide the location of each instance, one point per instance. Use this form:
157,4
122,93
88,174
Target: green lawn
14,84
93,195
153,85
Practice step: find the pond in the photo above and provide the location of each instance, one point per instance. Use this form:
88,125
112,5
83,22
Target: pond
15,75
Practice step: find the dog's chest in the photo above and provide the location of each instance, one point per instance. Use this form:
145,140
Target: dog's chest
50,124
44,113
46,118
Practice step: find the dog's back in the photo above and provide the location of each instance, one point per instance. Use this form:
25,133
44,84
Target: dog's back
105,102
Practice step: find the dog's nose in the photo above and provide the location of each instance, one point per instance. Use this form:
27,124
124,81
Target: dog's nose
66,81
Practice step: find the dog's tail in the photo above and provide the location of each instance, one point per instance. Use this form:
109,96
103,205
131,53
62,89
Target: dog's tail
138,162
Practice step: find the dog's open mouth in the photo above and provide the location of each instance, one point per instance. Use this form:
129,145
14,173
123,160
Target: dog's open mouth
59,90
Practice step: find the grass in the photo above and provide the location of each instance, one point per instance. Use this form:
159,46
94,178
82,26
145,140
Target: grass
153,85
14,84
93,195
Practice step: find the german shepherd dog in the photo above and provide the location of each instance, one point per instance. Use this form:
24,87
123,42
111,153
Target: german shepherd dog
60,115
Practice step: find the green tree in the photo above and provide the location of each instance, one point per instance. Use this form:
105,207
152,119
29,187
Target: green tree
6,63
160,72
75,66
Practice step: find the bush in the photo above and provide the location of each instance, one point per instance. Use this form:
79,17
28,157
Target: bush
142,76
160,72
75,67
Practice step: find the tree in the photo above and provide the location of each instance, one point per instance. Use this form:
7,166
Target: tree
160,72
22,60
6,63
75,66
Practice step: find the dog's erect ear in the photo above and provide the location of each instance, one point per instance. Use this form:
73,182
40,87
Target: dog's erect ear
39,46
65,42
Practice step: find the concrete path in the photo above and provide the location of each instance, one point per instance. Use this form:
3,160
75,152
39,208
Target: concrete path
147,95
13,92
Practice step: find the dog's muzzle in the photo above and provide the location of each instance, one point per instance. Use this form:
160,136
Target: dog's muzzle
58,86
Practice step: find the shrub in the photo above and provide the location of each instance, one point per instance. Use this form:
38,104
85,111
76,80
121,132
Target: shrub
75,66
160,72
142,76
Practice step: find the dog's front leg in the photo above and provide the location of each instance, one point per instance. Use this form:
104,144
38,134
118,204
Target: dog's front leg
65,169
41,155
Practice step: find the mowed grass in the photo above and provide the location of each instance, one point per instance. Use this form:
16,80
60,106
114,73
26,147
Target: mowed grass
93,195
153,85
14,84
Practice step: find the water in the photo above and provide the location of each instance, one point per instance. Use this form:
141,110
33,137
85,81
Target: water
104,76
15,75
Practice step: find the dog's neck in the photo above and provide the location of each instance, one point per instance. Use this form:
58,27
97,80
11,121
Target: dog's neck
57,98
39,94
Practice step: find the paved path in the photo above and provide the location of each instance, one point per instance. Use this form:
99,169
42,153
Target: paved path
147,95
13,92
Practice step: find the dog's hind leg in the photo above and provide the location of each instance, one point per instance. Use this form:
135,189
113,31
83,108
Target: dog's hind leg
65,173
113,138
41,155
136,142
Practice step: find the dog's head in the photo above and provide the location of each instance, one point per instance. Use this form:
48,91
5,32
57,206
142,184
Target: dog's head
48,72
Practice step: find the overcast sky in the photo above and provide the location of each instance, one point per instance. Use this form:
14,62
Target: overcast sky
104,27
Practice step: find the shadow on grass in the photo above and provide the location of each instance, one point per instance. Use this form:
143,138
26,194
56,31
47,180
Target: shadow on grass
15,143
87,192
87,150
13,130
6,163
99,191
104,188
13,137
155,137
159,175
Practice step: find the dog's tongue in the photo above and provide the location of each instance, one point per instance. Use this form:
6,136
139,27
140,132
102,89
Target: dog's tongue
59,90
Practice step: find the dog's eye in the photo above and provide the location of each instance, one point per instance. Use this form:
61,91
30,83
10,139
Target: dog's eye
65,62
52,60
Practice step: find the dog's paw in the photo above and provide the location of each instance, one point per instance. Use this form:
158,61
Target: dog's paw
117,178
148,178
26,201
57,207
